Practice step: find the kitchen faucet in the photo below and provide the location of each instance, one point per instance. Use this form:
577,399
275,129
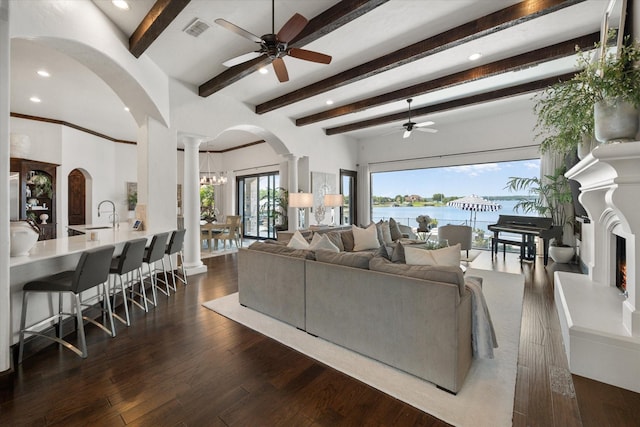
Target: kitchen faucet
113,212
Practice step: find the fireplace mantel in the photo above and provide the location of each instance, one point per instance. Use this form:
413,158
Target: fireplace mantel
600,326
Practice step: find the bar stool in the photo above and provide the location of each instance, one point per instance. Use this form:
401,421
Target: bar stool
91,271
125,264
174,247
154,253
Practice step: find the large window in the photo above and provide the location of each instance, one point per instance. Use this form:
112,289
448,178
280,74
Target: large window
256,202
404,195
348,188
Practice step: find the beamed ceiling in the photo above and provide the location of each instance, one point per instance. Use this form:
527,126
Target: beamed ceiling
384,52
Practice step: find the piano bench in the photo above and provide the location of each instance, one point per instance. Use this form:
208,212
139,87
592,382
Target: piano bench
495,242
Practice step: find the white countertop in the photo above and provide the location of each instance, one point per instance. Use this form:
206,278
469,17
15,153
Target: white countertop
46,249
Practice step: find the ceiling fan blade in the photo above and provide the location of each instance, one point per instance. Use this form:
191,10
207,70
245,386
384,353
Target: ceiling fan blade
407,134
428,130
429,123
240,59
281,70
239,31
309,55
292,28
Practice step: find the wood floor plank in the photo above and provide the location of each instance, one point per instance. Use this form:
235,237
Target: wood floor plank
183,365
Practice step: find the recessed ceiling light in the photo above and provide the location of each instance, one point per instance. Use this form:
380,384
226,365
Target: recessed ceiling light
120,4
35,99
263,70
43,73
475,56
126,108
329,102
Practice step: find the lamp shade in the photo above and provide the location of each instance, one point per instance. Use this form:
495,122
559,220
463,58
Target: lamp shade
333,200
300,200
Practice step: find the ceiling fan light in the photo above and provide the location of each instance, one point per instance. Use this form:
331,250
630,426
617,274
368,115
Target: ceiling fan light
263,70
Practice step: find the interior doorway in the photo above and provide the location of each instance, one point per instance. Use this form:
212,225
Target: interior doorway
77,198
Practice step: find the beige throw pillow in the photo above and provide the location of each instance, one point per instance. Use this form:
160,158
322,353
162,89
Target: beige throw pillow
322,241
298,241
446,256
365,238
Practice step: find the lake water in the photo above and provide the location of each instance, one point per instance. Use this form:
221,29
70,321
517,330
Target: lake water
444,214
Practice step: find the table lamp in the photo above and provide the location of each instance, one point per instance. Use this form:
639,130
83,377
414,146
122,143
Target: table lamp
333,201
300,201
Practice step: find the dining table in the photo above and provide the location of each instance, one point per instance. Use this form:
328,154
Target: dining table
210,229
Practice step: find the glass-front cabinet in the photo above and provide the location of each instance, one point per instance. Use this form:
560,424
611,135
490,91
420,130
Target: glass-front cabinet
36,194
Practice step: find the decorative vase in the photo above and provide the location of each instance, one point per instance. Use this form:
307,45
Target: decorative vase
23,238
615,121
561,254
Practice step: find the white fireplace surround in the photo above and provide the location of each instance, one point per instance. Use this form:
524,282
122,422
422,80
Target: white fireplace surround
600,326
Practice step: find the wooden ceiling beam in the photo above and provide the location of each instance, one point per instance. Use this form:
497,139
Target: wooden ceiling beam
154,23
497,21
453,104
522,61
328,21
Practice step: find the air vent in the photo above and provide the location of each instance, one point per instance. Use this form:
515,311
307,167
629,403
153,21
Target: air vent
196,27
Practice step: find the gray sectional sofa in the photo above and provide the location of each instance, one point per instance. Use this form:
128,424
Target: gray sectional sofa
414,318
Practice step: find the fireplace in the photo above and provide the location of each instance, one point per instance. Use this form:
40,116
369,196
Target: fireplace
599,312
620,264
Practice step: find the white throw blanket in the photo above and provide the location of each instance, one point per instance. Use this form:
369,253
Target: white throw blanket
483,336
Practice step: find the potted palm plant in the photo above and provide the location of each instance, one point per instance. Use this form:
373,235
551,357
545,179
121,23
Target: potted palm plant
549,196
277,208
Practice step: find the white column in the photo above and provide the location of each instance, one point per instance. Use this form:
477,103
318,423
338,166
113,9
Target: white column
5,319
192,262
292,162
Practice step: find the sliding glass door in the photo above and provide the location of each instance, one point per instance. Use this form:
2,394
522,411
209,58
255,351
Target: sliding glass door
256,195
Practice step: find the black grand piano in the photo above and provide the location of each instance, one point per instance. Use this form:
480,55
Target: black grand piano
529,227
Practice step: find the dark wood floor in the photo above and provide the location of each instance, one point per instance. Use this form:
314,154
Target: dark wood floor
182,364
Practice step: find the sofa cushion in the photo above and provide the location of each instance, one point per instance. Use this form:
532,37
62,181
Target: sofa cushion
336,239
321,241
298,241
365,238
282,250
445,256
436,273
383,252
396,234
349,259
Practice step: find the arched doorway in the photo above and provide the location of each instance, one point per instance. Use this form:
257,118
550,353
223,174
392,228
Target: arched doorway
77,198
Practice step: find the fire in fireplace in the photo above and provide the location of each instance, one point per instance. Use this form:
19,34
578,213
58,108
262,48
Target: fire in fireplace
621,263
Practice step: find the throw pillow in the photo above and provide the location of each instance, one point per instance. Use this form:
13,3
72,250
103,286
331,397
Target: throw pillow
384,232
382,252
445,256
298,241
321,241
347,240
365,238
396,234
349,259
336,239
398,254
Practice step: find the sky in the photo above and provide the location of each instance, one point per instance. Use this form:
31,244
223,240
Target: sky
486,179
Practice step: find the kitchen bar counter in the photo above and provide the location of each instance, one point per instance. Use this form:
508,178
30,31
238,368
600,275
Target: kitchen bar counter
56,255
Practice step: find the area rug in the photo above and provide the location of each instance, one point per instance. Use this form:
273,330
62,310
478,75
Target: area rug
486,398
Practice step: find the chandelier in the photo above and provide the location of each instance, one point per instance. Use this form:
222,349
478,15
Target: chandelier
209,178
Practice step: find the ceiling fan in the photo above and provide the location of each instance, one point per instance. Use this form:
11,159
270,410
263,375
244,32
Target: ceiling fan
409,126
275,46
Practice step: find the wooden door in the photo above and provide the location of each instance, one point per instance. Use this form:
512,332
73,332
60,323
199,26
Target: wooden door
77,196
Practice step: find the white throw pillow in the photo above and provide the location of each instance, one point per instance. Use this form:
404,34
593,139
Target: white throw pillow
446,256
321,241
298,241
365,238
